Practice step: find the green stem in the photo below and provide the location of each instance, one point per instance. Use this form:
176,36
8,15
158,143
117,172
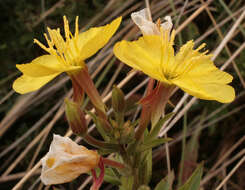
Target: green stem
136,178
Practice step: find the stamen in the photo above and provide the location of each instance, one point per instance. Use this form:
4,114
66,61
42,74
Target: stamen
162,49
76,47
41,45
67,30
205,52
158,24
172,37
76,27
59,41
66,51
166,60
74,40
50,42
188,60
188,67
201,47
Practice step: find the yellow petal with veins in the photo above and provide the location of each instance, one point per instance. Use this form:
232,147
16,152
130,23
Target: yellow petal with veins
205,71
143,54
199,77
44,66
210,86
91,41
25,84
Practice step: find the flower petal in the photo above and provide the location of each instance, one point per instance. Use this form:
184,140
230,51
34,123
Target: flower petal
143,54
198,76
91,41
142,20
45,65
206,89
25,84
205,71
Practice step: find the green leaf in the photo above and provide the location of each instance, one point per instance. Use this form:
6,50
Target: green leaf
153,143
166,183
148,171
145,167
154,132
127,183
193,183
111,177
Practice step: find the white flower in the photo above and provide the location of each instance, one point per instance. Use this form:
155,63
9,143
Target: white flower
66,160
147,27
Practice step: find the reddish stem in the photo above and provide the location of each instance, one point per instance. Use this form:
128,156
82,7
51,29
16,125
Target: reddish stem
84,80
112,163
145,116
97,181
153,105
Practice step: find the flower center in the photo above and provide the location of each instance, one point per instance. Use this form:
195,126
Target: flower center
66,51
174,66
167,55
50,162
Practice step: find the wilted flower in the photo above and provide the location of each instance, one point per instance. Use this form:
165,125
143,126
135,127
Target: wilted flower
189,69
66,160
64,55
147,27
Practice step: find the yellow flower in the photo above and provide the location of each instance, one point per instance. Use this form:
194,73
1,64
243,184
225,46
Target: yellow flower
66,160
64,55
189,69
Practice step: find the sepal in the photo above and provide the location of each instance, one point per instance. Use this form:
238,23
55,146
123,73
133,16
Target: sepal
75,117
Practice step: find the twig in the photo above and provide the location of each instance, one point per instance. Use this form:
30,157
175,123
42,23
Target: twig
48,12
7,96
231,173
226,47
17,176
29,174
228,36
189,19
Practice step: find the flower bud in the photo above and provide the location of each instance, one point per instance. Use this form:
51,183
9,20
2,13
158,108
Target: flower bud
75,117
127,133
66,160
118,101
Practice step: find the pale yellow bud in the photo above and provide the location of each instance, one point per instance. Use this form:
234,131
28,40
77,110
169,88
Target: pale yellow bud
66,160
